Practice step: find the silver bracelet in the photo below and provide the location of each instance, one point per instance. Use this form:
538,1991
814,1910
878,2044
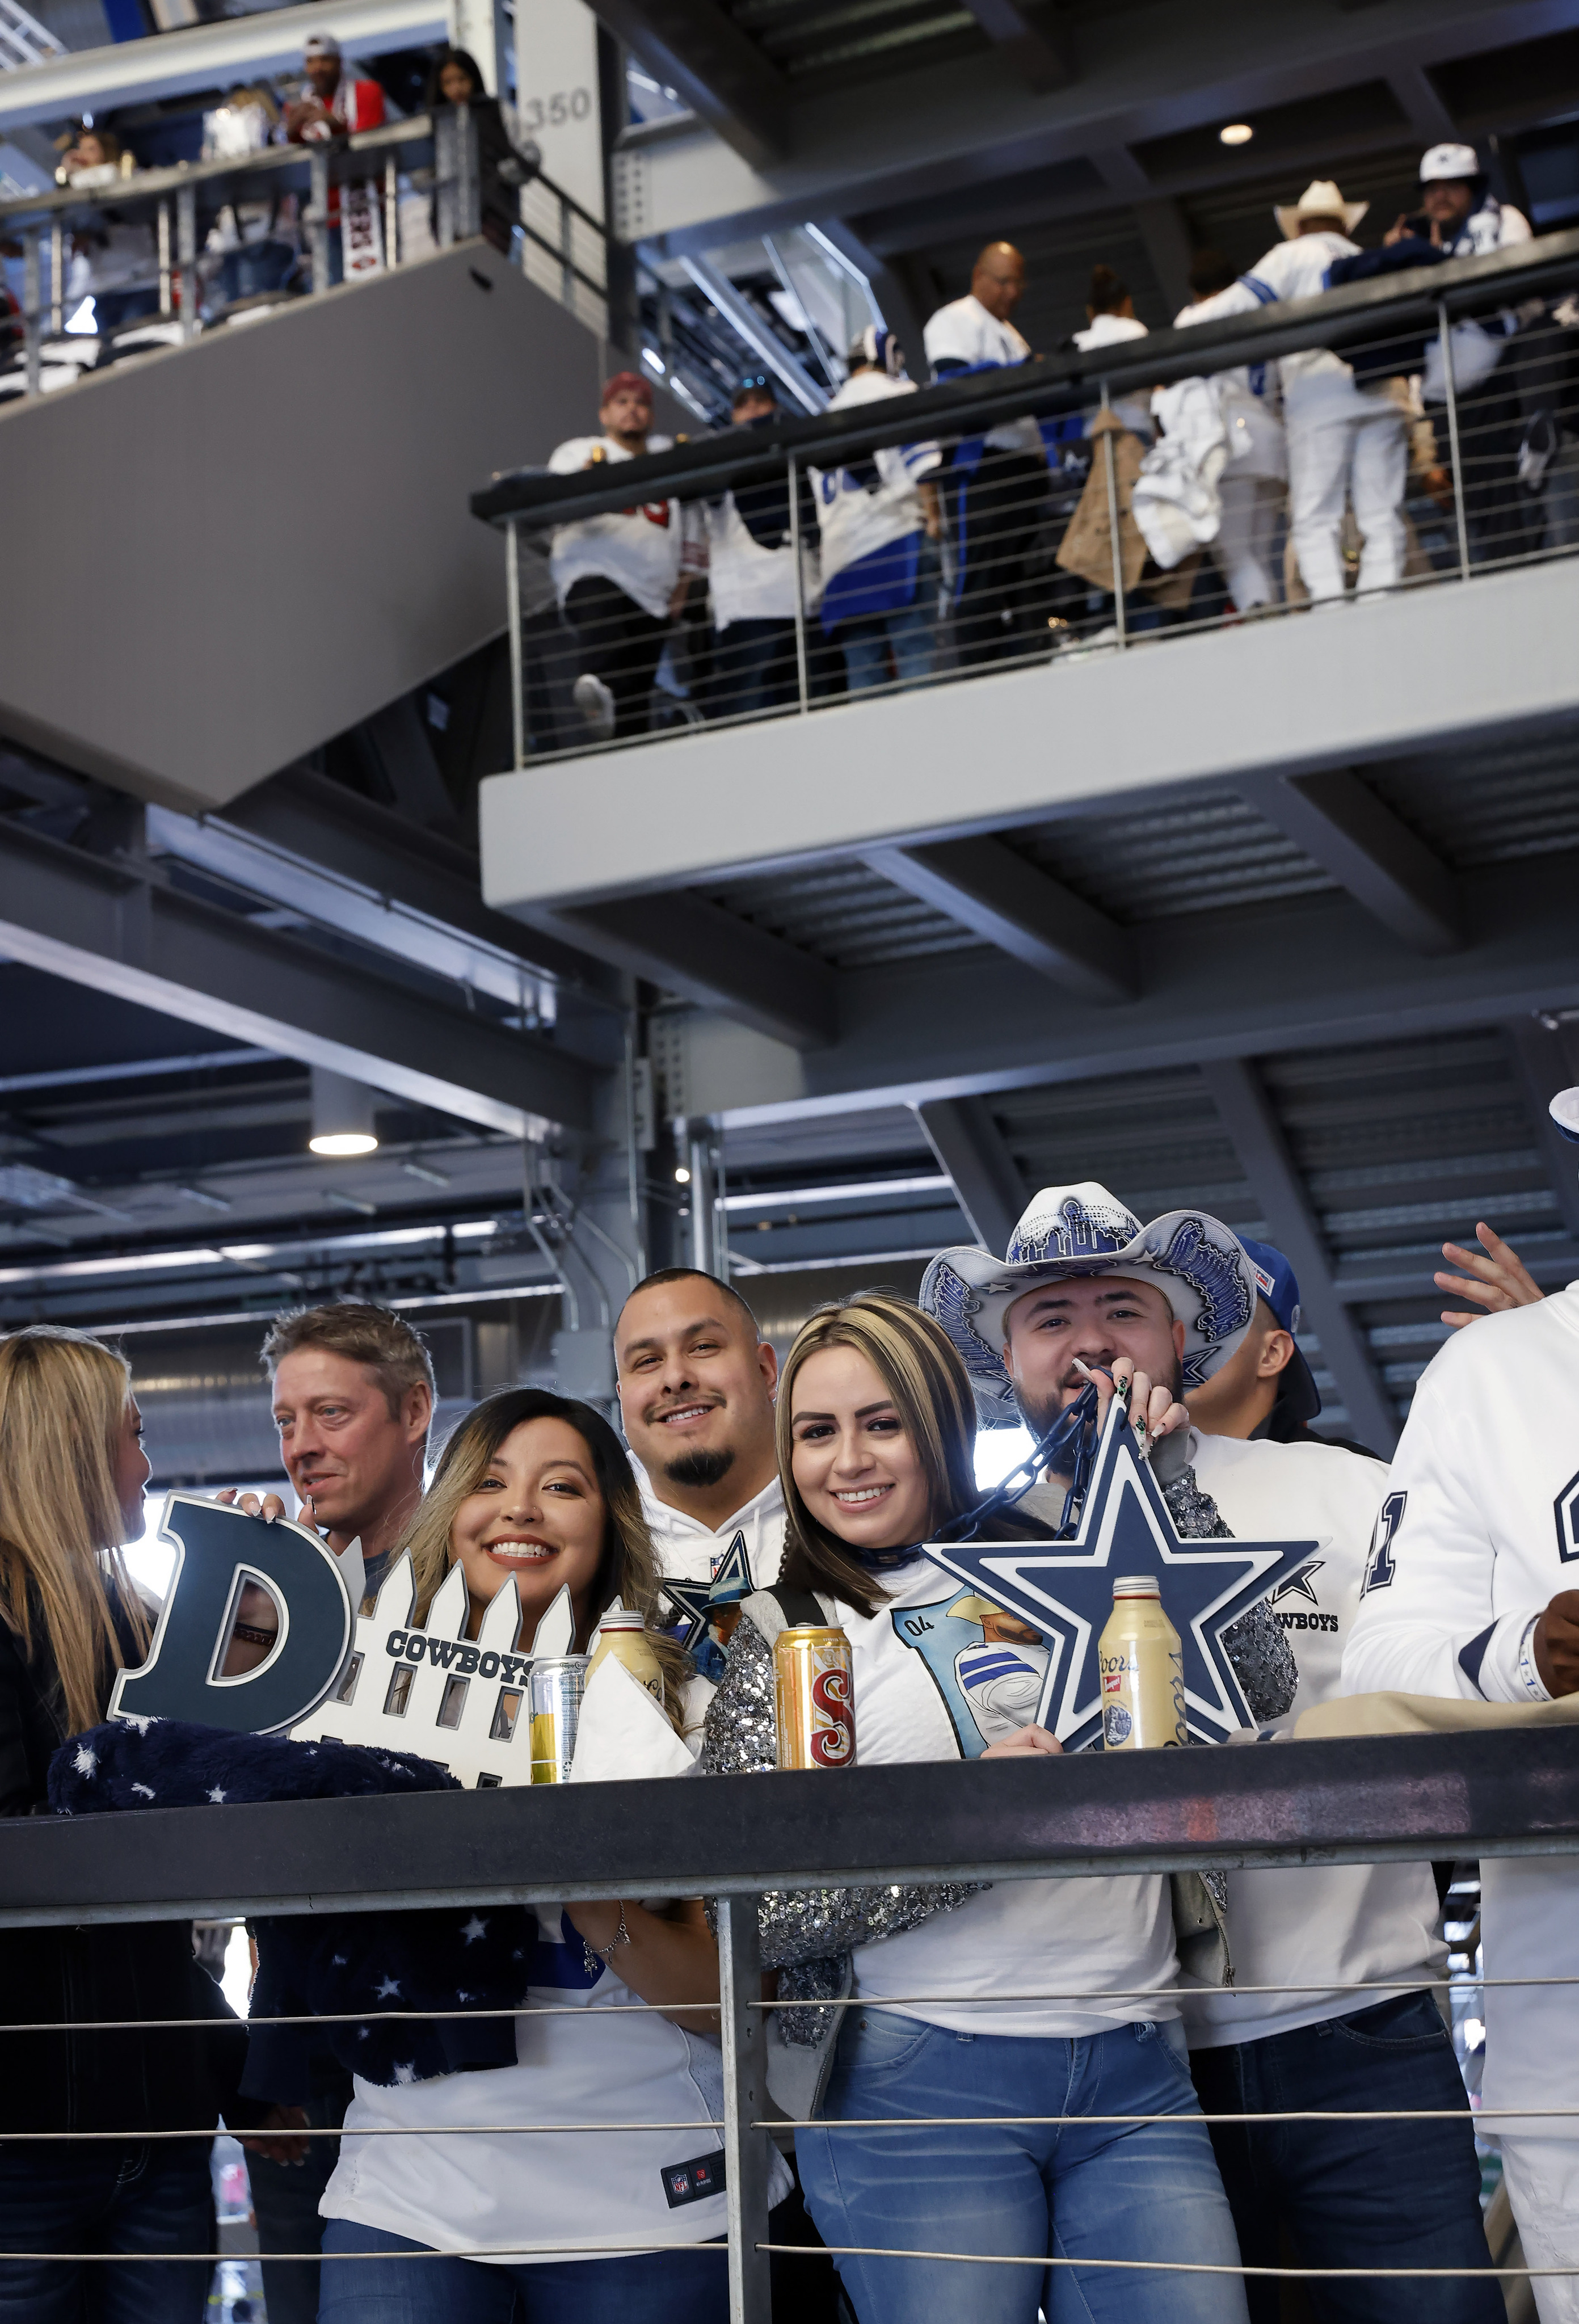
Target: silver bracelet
593,1955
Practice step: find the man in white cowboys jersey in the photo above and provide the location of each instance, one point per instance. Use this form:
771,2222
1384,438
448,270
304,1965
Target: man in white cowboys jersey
1471,1593
996,485
621,577
1167,1306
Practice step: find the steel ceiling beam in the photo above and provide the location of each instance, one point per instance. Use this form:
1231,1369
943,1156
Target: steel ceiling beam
1026,38
710,63
112,927
986,887
691,946
1370,851
984,1176
1246,1113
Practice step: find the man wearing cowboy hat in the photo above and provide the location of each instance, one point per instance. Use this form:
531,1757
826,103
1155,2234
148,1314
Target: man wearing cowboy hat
1344,442
1087,1290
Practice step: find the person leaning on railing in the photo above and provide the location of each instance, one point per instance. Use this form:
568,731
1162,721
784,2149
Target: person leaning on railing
881,523
534,1488
876,1438
455,77
72,1471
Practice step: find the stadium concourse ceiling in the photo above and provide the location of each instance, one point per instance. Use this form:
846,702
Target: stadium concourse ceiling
915,129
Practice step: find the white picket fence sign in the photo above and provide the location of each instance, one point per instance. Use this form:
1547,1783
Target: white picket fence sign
433,1691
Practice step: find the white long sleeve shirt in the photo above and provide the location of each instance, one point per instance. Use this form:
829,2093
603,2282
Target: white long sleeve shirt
1478,1533
686,1548
1338,1925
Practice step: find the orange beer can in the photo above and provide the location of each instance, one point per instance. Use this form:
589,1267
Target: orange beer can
816,1690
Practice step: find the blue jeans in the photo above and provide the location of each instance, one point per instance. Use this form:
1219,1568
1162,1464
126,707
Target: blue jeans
1077,2192
114,2197
909,635
637,2288
285,2200
1387,2194
246,273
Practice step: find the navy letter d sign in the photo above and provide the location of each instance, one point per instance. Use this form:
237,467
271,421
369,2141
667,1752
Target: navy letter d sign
219,1550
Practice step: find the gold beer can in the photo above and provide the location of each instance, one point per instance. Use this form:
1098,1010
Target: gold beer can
1141,1664
554,1689
816,1697
623,1636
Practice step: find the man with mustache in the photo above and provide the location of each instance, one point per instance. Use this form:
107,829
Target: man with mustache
695,1386
1087,1292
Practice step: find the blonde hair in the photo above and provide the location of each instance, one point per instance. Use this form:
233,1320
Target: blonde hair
919,1367
62,1407
627,1570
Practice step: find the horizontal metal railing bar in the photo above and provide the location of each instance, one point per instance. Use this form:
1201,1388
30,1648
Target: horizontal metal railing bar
263,167
380,2130
1152,2266
1361,1799
1359,311
1423,1980
601,2249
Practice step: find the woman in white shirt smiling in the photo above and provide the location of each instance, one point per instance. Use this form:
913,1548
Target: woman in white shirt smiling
876,1430
539,1488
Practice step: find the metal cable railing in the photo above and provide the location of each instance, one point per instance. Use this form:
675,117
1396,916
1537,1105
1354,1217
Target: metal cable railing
370,178
1480,1794
1417,428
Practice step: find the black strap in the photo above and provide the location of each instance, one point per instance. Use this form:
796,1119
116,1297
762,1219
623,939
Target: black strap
799,1608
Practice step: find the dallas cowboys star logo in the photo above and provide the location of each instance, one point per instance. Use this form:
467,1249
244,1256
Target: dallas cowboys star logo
1064,1589
1299,1584
731,1580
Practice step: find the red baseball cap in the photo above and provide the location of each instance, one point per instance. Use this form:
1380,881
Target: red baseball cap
629,383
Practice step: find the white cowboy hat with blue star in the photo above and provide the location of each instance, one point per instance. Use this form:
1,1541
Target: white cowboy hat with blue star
1199,1265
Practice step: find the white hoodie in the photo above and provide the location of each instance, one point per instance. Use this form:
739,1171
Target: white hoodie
686,1548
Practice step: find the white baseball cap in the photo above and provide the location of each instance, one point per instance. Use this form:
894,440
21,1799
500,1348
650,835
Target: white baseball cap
1449,162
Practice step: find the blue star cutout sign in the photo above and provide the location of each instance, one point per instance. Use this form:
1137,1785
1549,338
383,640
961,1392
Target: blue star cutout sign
1063,1589
694,1601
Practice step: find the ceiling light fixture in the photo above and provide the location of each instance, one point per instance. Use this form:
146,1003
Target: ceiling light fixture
682,1175
1236,133
342,1116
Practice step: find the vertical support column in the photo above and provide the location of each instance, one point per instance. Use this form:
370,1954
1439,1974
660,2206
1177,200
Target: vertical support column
1454,455
517,660
32,292
802,690
567,254
186,214
746,2088
166,258
319,219
1112,520
468,197
56,278
704,1198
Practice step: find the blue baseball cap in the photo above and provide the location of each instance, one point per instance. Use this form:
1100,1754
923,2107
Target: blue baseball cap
1277,1283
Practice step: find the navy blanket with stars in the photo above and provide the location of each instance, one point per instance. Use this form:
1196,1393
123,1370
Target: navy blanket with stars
361,1967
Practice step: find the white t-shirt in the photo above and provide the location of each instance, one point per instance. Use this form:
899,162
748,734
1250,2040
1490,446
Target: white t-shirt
1478,1532
963,336
685,1547
641,550
854,522
930,1683
1111,331
1297,1925
516,2188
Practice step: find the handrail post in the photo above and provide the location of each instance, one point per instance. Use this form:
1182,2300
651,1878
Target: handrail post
745,2090
567,255
1112,522
186,211
166,261
32,294
802,689
319,217
391,208
1455,459
57,277
469,204
444,169
513,610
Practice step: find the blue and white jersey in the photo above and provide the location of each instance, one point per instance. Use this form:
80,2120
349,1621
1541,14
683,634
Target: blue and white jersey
869,515
1495,225
1297,269
962,337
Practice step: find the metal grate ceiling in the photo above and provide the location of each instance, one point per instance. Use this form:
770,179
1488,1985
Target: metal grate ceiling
1205,855
845,915
857,40
1488,806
